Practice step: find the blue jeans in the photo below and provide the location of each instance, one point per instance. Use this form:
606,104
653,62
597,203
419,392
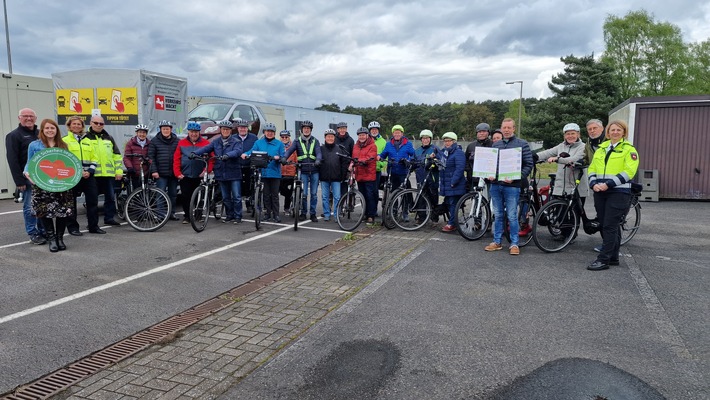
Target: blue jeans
32,225
505,198
310,184
170,186
232,198
452,201
369,190
105,185
326,188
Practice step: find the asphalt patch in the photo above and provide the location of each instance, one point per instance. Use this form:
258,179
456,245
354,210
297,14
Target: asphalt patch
354,370
577,379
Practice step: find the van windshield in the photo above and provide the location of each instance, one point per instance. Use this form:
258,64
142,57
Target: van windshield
209,112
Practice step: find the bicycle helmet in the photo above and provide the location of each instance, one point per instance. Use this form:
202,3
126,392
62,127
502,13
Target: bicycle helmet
141,127
225,124
397,128
329,132
285,133
483,127
165,122
373,124
241,122
194,126
342,125
426,133
570,127
307,123
450,135
269,127
362,129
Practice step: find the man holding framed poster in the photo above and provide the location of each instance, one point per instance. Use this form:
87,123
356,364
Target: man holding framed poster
515,163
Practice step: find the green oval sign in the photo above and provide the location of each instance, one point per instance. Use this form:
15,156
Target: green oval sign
55,169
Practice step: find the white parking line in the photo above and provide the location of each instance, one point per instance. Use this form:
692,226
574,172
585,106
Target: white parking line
133,277
10,212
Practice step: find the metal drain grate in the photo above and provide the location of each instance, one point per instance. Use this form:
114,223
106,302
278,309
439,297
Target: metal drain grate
57,381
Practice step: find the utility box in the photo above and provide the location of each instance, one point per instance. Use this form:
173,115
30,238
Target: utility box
18,92
123,97
649,179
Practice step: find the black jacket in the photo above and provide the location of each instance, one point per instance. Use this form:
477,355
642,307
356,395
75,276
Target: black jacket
16,144
347,142
161,151
333,168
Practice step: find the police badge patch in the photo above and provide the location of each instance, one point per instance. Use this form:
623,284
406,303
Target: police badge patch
634,156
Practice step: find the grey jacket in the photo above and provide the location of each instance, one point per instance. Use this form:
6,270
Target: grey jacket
565,177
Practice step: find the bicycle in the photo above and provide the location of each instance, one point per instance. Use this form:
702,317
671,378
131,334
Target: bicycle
528,205
206,199
147,208
296,194
558,221
350,210
258,160
473,213
389,192
410,208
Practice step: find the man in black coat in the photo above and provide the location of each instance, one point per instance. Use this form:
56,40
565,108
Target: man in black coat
332,170
345,144
16,144
161,150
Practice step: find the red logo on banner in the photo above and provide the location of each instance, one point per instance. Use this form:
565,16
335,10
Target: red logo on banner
159,102
56,169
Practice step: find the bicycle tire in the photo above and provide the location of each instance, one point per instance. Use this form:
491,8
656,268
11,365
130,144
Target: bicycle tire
472,225
121,204
258,205
218,209
296,205
148,209
631,222
405,213
555,226
387,222
199,208
522,240
350,211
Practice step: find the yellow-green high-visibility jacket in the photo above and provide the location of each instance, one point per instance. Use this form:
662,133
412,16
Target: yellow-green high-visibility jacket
110,161
616,168
83,150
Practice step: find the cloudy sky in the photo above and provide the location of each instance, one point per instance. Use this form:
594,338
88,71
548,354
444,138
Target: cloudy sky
349,52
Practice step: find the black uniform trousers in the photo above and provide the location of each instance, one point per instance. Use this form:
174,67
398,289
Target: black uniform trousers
611,208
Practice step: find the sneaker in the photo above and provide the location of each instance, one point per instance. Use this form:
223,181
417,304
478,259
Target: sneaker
111,222
302,217
370,220
228,219
493,247
526,230
598,249
237,221
277,219
174,218
37,239
185,220
514,250
448,228
314,218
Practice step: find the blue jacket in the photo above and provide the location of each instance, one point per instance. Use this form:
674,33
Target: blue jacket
421,155
247,143
527,159
273,148
452,181
229,170
405,152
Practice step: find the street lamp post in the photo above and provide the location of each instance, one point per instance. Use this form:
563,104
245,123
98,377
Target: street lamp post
7,36
520,107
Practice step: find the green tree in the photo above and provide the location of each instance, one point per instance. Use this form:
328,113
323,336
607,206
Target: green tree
329,107
699,68
648,57
470,115
513,112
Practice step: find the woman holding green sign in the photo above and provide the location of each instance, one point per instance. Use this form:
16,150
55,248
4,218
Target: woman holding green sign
51,176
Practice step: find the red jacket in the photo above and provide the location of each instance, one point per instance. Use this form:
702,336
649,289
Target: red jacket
133,163
182,165
366,152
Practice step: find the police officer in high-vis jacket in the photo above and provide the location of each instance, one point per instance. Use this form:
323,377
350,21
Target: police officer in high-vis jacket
614,165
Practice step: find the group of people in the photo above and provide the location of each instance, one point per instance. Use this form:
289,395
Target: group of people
172,162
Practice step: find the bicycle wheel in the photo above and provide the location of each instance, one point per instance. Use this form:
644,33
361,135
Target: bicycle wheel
387,220
296,205
350,210
524,220
631,222
258,205
216,204
408,214
555,226
473,216
199,208
148,209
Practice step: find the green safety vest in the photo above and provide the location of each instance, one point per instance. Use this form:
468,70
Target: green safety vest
307,153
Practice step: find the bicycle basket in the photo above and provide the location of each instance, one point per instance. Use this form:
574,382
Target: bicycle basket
259,159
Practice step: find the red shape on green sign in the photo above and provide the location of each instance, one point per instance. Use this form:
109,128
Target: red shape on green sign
57,169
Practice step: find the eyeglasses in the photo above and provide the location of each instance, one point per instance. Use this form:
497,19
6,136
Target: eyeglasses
97,123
